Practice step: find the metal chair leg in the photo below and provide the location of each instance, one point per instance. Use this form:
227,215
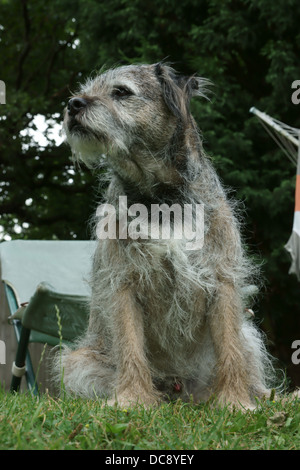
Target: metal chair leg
22,365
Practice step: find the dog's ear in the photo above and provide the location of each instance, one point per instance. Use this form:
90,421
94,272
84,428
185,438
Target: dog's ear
178,90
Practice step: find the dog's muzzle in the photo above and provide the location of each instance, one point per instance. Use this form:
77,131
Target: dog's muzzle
75,106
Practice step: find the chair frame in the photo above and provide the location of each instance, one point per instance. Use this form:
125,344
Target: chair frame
23,364
47,293
31,325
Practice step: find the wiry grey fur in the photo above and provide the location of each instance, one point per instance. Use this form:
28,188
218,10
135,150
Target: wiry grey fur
161,315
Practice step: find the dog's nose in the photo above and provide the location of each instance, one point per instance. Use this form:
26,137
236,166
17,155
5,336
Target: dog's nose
75,105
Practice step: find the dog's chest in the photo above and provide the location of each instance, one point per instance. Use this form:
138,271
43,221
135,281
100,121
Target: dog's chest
172,304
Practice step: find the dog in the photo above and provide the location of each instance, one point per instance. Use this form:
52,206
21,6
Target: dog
165,321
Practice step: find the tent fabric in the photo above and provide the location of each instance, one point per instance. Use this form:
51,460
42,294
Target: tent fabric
293,245
65,265
288,139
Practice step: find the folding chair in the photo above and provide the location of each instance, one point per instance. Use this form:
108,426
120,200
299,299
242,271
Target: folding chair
47,293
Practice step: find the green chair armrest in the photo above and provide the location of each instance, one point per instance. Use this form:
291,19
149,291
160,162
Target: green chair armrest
53,313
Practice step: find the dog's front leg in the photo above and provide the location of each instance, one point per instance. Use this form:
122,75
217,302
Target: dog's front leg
134,383
231,384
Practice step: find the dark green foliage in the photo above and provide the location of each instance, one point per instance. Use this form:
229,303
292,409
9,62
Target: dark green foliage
249,49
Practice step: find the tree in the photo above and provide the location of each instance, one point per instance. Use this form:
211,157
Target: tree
40,191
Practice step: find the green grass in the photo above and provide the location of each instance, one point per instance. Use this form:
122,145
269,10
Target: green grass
43,422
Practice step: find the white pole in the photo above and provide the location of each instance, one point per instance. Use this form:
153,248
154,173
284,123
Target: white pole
264,117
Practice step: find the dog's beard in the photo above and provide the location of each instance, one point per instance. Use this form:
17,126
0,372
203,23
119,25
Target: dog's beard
100,142
91,145
85,145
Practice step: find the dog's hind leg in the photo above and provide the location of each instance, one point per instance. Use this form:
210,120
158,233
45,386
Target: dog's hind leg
84,372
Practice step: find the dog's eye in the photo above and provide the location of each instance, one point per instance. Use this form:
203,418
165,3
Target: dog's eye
121,92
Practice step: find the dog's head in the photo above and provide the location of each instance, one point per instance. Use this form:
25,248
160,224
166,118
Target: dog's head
132,115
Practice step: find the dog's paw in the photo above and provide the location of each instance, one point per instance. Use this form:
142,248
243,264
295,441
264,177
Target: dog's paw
234,403
243,406
129,401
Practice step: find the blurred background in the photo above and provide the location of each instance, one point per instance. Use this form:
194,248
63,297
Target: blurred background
249,49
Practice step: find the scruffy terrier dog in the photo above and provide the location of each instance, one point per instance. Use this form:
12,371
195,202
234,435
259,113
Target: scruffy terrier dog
165,320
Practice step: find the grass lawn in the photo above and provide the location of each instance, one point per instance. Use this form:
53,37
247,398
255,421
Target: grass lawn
43,422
